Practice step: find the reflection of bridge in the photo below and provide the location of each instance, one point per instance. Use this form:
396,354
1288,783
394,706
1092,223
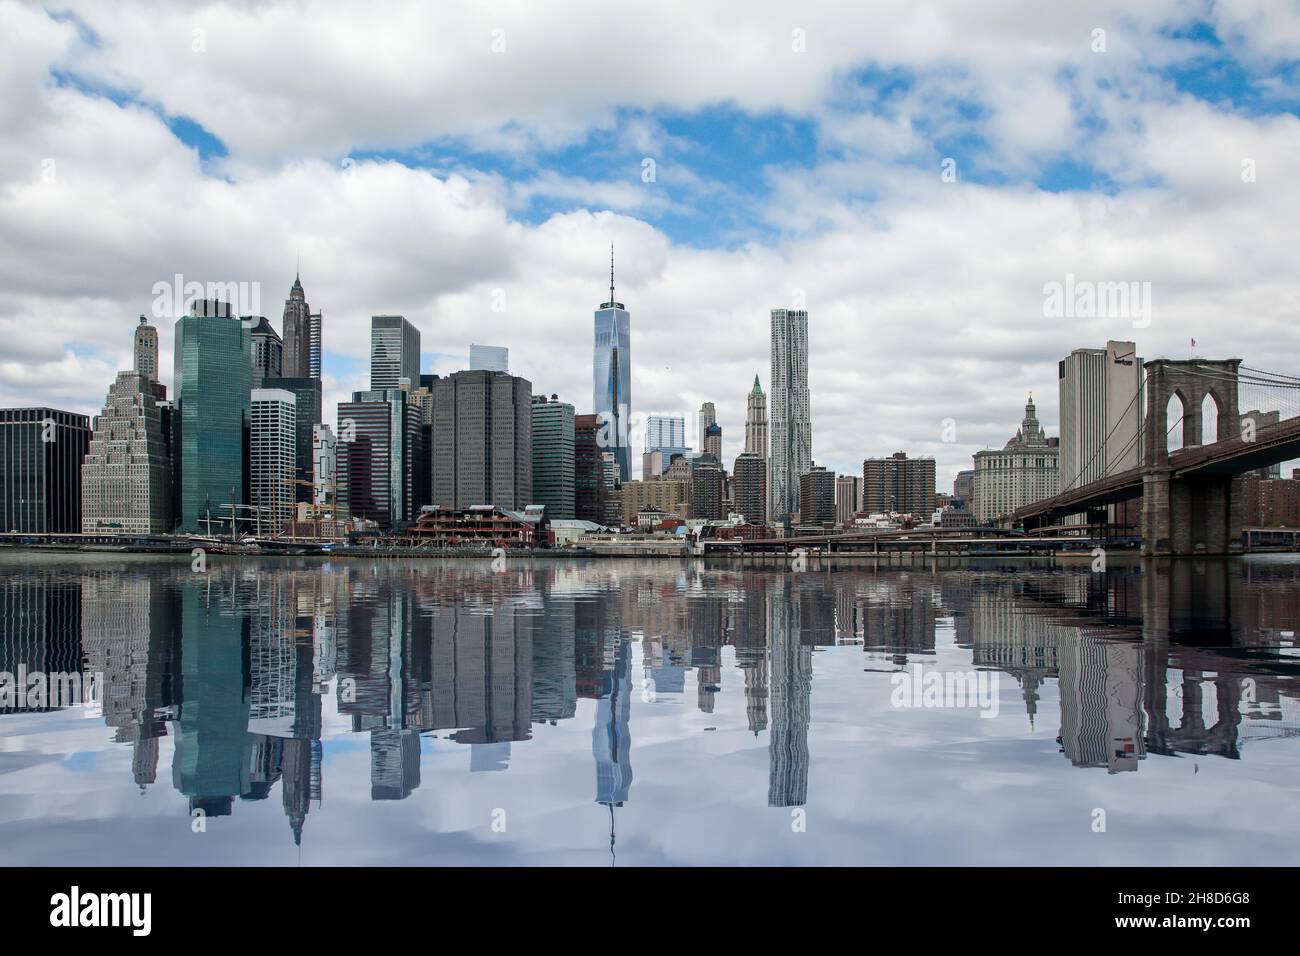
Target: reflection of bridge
1192,501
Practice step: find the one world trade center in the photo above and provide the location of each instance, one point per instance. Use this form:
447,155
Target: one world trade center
612,377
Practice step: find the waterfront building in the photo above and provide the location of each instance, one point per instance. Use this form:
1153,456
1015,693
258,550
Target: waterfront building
296,360
268,351
848,498
394,352
378,433
817,496
212,383
790,425
1021,472
899,484
587,479
145,347
324,468
553,456
126,477
482,440
272,458
655,494
612,377
41,451
750,487
489,358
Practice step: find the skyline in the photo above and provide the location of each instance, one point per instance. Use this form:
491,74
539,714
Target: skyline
1116,166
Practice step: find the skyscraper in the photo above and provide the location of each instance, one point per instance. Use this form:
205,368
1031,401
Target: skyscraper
212,382
553,461
482,440
296,326
756,421
272,457
378,433
587,484
41,450
817,496
713,440
489,358
126,477
899,483
612,377
394,352
324,458
146,350
317,336
307,413
1018,474
708,414
268,351
791,422
751,487
1101,412
848,498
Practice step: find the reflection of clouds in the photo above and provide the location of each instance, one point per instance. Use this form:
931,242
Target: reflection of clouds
878,784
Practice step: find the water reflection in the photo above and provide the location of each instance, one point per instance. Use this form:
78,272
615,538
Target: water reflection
241,665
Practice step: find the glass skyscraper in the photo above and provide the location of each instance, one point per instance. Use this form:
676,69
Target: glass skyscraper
612,377
790,422
213,380
394,352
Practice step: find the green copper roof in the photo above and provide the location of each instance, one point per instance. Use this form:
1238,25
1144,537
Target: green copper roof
757,389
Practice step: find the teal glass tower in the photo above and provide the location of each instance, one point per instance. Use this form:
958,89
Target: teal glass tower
213,379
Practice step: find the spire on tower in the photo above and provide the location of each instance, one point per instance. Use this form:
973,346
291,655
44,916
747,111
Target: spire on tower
611,272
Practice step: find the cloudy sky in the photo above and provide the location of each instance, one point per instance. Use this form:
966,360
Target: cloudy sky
916,172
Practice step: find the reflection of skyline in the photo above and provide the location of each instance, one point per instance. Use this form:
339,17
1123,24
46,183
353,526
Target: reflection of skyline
232,664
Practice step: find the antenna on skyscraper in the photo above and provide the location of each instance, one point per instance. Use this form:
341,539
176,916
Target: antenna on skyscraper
611,273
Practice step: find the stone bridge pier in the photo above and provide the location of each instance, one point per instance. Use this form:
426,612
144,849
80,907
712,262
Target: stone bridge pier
1191,514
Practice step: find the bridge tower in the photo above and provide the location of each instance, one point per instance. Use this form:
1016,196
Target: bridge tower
1195,514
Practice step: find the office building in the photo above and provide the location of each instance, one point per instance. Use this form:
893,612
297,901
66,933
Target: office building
756,421
324,464
316,347
296,361
268,351
489,358
126,478
146,350
708,415
713,440
750,487
899,484
212,382
848,498
41,451
665,434
587,469
708,491
482,440
394,352
1101,413
307,403
653,464
1021,472
612,377
553,456
790,422
817,496
272,458
657,494
378,435
963,487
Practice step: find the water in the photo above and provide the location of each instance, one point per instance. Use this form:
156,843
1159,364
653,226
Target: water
623,713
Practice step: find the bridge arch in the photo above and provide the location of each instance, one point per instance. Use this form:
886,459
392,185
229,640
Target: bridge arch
1192,380
1209,418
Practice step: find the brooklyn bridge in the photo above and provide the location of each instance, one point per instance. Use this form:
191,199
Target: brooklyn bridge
1190,497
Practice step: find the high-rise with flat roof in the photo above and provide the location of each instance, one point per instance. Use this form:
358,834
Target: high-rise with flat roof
482,440
848,498
378,435
899,484
272,458
212,382
790,424
750,484
126,477
817,496
394,352
41,451
307,405
553,456
489,358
